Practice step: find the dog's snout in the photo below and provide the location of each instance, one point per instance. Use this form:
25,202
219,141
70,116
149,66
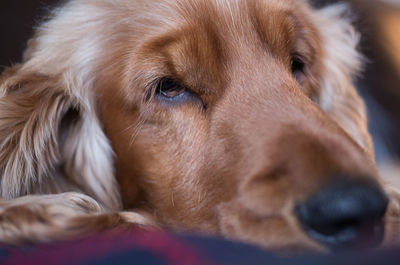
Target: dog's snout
346,214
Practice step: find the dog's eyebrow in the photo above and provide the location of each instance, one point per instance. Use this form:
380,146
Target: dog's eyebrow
159,43
189,54
275,28
281,30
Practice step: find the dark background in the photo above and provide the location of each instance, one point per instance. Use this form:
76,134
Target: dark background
380,82
17,19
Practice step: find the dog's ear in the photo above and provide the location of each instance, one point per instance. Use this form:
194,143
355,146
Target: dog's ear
51,139
341,101
342,62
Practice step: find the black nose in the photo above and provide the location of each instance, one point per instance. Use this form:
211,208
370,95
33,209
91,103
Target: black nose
346,214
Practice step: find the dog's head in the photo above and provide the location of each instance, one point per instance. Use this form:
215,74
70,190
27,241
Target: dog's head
232,117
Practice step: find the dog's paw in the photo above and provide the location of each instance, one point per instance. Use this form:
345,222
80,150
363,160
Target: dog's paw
47,218
139,218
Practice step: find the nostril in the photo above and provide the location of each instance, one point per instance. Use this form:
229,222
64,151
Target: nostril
347,213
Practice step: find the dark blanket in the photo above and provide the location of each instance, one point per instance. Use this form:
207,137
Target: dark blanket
159,248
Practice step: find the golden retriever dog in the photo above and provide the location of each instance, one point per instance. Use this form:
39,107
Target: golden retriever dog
225,117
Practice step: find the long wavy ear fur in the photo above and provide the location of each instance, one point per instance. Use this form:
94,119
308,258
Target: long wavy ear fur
34,153
339,98
51,139
342,63
31,109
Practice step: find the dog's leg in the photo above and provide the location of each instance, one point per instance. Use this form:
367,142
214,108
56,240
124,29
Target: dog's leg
46,218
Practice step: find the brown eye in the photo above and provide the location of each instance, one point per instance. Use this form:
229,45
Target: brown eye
169,88
297,65
173,93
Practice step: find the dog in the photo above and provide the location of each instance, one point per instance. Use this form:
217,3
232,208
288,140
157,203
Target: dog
225,117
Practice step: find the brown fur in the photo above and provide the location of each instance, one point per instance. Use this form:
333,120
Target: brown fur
78,115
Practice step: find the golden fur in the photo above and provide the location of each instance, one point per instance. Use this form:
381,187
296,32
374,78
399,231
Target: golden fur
83,137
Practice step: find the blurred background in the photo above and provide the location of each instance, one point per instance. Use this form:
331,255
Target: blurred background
377,20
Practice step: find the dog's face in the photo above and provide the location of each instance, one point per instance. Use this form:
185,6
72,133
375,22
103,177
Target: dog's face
226,117
217,123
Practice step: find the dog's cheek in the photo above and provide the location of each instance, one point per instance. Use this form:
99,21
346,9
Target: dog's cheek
176,142
170,156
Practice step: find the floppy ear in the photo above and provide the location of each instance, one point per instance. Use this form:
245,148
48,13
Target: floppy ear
51,140
340,99
342,62
51,136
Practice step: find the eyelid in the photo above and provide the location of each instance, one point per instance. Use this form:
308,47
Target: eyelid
187,96
299,56
168,85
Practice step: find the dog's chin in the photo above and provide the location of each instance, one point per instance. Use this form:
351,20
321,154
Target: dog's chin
279,233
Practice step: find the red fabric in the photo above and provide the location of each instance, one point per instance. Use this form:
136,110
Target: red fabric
167,247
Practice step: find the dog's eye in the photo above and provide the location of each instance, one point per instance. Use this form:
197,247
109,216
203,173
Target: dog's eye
170,89
297,65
